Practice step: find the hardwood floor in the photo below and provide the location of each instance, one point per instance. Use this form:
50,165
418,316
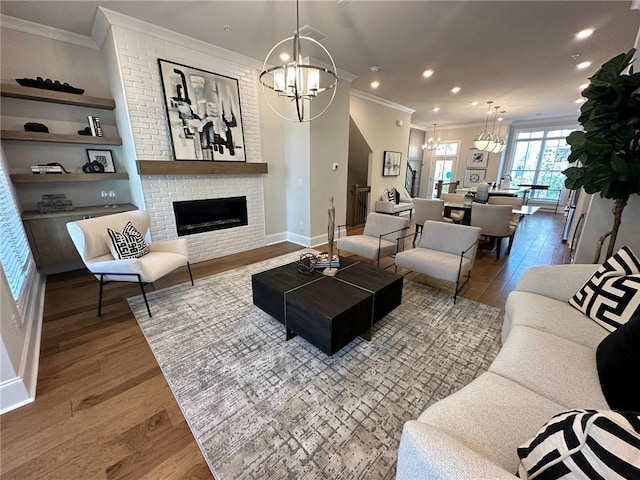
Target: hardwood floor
103,408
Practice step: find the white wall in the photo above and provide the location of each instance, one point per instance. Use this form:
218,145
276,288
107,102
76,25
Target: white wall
378,124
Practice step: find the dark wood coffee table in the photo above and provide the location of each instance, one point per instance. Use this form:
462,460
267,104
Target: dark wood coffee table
328,312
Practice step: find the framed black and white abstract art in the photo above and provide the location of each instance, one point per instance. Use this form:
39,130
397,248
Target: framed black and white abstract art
477,158
472,177
203,110
391,164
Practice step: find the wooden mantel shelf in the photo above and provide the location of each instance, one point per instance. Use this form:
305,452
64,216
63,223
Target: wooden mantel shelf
161,167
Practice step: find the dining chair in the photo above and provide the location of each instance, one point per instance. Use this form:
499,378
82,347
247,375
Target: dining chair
428,209
494,222
456,216
515,202
113,249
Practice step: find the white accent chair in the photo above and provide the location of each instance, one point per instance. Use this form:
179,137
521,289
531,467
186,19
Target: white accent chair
91,240
495,223
428,209
456,216
446,251
379,238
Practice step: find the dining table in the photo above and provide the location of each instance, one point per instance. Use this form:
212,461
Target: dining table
466,209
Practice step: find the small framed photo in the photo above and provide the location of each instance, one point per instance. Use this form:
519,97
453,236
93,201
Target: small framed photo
104,158
477,158
472,177
391,164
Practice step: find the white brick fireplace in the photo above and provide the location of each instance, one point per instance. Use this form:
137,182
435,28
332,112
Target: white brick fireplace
136,52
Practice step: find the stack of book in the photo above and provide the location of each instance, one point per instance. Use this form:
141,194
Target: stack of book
94,125
54,202
322,261
47,169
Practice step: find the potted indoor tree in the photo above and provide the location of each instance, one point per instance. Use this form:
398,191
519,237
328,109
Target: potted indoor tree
607,151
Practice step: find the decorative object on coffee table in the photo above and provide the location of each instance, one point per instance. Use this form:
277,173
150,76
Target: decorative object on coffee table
330,270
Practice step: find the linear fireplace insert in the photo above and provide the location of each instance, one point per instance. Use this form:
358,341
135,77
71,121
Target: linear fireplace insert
197,216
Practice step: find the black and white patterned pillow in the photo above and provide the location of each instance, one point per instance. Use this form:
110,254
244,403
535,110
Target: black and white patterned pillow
584,444
128,243
612,295
391,195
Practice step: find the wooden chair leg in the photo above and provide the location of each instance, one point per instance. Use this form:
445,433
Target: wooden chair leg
510,243
498,245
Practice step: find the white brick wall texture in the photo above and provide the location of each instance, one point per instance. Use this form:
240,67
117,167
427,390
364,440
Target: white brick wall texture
138,54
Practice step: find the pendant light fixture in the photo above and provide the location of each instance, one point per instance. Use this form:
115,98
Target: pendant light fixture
500,143
432,142
494,141
297,79
482,141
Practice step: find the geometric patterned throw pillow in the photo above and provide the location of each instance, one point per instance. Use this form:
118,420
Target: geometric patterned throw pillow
127,244
583,444
612,295
391,195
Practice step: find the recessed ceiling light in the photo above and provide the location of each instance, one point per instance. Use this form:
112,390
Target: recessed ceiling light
436,109
582,34
375,84
580,100
500,119
474,104
374,68
284,57
583,65
583,86
455,89
427,73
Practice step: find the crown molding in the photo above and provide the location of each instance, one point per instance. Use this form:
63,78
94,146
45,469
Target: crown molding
106,18
381,101
45,31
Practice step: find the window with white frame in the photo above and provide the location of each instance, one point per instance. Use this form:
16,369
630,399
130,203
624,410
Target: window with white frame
538,157
14,248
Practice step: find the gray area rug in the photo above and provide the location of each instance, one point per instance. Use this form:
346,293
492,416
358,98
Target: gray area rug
263,408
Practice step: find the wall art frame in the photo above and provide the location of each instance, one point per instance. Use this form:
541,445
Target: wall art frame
203,113
104,158
477,158
391,163
473,176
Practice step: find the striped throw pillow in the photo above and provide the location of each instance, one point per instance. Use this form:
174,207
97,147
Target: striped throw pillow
128,243
612,295
584,444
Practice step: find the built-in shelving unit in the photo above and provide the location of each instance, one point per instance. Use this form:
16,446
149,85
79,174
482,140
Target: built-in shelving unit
66,177
49,240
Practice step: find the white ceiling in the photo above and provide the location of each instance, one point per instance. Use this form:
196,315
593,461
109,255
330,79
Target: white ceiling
516,53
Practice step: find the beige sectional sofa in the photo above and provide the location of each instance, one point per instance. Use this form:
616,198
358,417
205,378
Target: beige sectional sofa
547,365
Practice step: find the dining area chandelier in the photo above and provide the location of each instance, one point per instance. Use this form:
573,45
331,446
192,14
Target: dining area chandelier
490,141
432,142
288,75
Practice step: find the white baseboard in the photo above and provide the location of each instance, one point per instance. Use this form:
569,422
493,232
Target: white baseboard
276,238
298,239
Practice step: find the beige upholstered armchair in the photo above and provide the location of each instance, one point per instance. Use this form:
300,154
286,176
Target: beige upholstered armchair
98,252
446,251
515,202
379,239
495,222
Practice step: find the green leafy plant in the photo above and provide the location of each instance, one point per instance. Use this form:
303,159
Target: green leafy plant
607,151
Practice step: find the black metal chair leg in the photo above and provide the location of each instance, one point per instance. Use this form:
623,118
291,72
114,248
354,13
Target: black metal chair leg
100,295
144,295
498,245
190,275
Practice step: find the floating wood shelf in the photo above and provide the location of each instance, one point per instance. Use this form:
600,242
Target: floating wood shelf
158,167
58,138
66,177
51,96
